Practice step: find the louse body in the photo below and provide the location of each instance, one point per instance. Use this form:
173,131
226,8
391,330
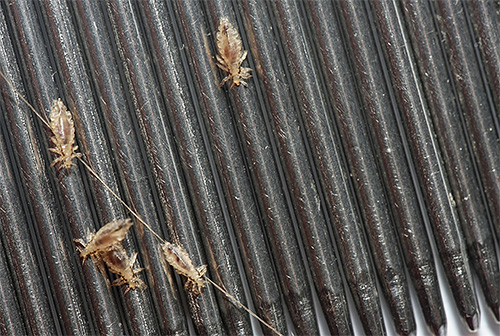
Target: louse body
105,247
118,262
62,125
179,259
110,234
230,54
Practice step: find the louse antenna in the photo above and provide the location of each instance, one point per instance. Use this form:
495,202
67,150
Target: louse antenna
135,214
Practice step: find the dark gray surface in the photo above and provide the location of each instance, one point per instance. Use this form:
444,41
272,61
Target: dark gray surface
212,169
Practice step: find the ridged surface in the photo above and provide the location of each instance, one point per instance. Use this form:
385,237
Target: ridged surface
366,142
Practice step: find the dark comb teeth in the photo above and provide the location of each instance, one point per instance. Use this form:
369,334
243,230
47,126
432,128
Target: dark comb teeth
355,173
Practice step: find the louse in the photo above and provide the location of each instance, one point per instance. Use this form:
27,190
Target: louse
110,234
105,247
118,262
112,238
62,125
179,259
231,55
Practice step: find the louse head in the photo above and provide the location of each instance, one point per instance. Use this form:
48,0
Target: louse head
67,163
243,73
198,283
236,81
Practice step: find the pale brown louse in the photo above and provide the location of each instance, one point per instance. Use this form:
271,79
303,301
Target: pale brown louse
62,125
110,234
230,54
118,262
105,247
179,259
115,255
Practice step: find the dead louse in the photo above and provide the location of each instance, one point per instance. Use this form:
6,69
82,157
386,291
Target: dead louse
105,247
62,125
231,55
179,259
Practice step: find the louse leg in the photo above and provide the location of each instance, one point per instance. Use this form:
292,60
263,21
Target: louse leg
118,282
242,57
132,283
220,60
55,150
80,246
225,80
69,161
135,283
75,148
66,164
138,283
245,73
132,260
121,281
99,264
223,67
74,156
127,290
226,69
202,270
57,160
